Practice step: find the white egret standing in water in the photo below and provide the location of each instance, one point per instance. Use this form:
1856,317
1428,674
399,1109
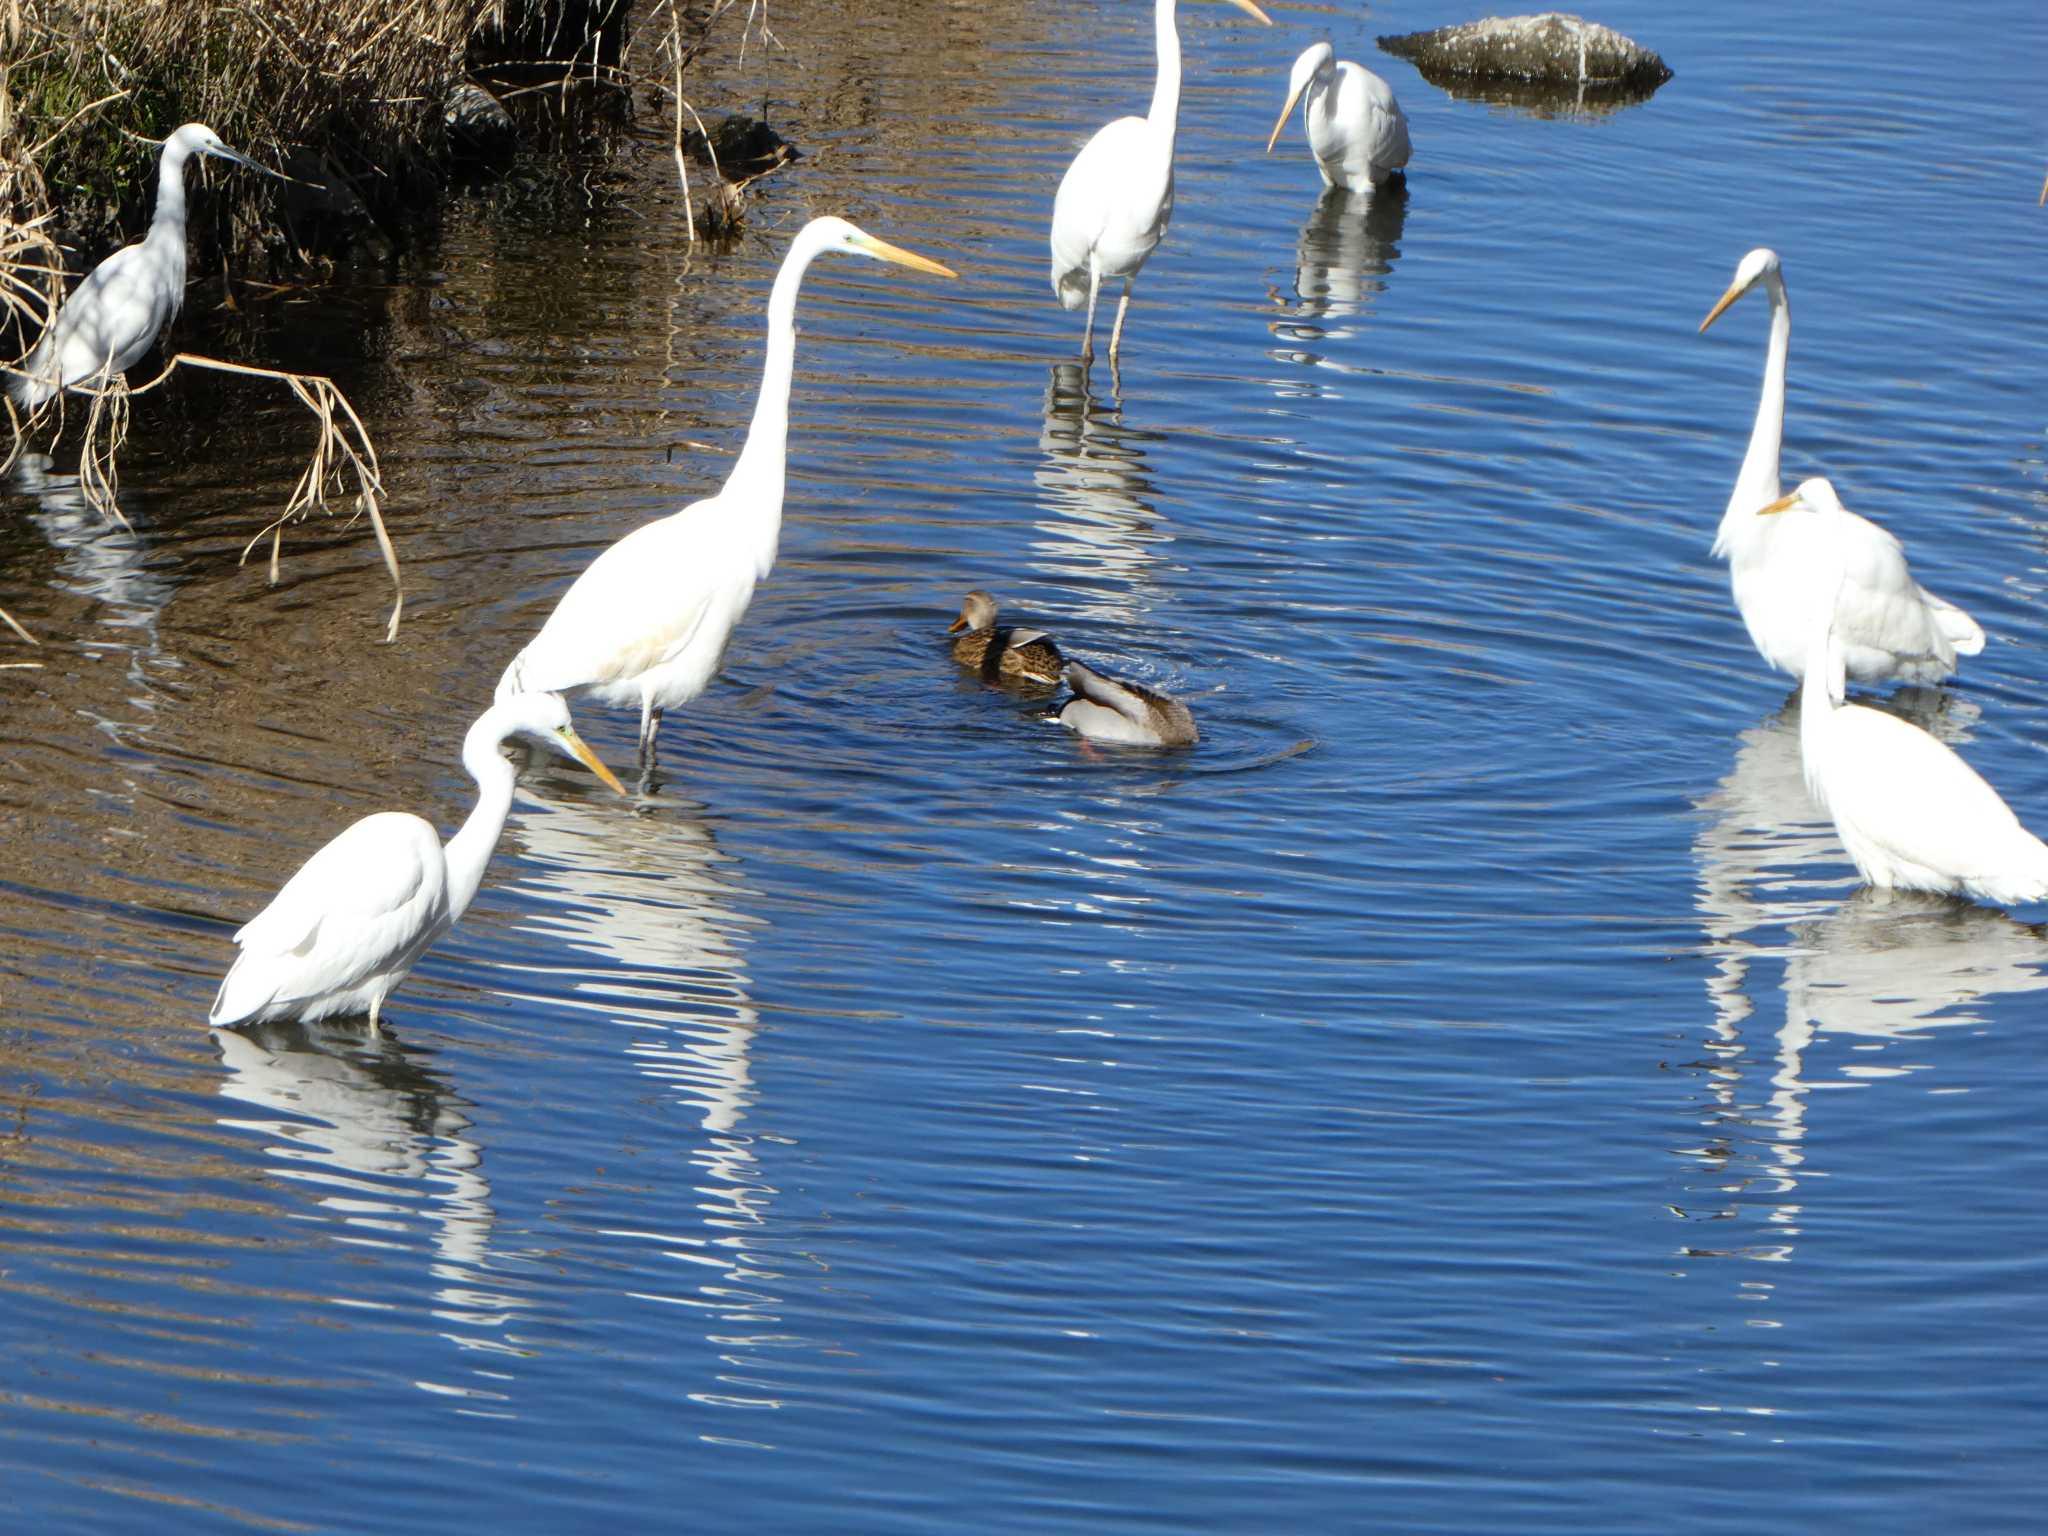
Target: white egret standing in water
1116,197
647,622
1355,128
114,316
1913,815
358,915
1891,627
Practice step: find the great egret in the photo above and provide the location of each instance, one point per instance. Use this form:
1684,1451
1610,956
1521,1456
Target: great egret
1913,815
1355,127
1106,709
1116,197
649,619
1891,628
356,917
112,317
1004,654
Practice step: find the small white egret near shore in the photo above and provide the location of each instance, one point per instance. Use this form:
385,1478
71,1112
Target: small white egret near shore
1891,627
358,915
1913,815
1356,130
1114,202
1128,714
114,316
647,622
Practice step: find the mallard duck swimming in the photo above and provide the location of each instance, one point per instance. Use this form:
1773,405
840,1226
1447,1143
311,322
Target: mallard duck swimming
1105,709
1006,654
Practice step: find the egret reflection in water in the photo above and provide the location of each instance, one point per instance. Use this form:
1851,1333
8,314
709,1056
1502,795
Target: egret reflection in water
1100,525
386,1147
98,558
1346,252
656,900
1772,891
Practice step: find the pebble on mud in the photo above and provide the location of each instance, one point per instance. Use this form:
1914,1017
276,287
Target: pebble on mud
1553,49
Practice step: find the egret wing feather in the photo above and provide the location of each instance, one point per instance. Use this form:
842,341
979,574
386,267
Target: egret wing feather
109,321
1914,813
1112,207
365,905
600,633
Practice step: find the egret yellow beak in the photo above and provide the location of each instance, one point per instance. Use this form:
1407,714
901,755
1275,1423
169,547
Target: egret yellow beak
1286,112
1783,503
1252,11
2044,196
1735,291
590,759
882,250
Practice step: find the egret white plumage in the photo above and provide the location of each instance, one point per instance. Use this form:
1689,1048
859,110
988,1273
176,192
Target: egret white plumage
649,619
1115,200
114,316
1913,815
1356,130
1891,628
352,922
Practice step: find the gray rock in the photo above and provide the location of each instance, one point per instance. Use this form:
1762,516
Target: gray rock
1552,49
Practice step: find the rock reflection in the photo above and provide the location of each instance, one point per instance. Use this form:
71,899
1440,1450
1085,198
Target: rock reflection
1102,529
1771,892
1347,250
653,897
383,1142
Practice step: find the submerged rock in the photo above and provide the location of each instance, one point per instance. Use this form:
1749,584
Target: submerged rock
478,124
746,148
1552,49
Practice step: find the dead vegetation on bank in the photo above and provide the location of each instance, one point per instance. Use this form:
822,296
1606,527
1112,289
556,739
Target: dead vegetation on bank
356,96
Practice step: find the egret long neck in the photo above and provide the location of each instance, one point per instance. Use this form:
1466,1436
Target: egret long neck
1821,692
1166,89
469,851
166,235
1757,484
762,468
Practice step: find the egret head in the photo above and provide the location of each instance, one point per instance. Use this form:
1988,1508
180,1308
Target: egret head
545,718
1316,61
836,234
198,139
978,611
1759,265
1815,495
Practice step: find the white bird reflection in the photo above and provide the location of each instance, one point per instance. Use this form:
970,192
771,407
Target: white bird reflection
1101,521
383,1143
1772,890
1347,251
97,557
652,896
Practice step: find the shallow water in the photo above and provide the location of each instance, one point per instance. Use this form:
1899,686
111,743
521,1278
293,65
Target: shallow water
1464,1093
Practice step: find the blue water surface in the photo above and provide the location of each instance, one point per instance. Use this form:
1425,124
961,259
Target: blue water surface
1464,1093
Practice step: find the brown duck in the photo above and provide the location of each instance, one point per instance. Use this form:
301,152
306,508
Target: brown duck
1107,709
1002,655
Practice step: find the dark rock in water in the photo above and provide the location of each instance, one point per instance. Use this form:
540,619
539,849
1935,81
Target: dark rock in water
478,124
745,147
1552,49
